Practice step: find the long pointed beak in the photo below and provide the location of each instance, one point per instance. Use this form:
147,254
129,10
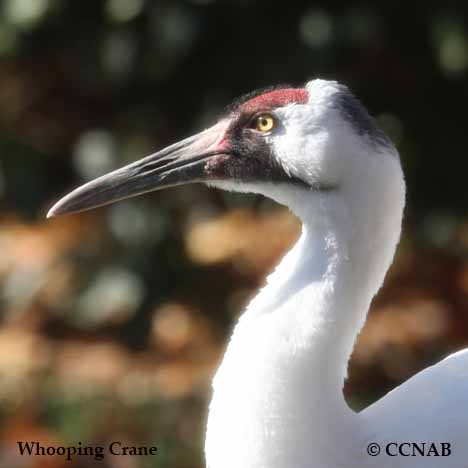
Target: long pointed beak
177,164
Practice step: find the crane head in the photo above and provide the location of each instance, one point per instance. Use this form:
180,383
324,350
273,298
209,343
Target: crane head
303,137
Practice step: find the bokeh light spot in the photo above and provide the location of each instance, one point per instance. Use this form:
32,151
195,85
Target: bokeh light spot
121,11
25,13
113,296
135,224
94,154
175,29
361,25
118,54
451,43
316,28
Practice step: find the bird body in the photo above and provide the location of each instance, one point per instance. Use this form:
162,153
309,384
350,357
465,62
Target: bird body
277,395
428,408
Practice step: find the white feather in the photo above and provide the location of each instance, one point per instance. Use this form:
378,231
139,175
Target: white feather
277,395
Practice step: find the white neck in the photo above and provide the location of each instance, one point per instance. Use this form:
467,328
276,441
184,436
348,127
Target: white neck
278,399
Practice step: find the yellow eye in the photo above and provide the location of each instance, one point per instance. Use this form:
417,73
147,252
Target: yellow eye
264,123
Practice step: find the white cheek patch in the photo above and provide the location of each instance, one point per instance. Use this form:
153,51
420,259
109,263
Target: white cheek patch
318,141
304,146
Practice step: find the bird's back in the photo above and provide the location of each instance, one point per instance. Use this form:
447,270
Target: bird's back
430,408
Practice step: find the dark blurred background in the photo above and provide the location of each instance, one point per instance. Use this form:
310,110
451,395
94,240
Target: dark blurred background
112,321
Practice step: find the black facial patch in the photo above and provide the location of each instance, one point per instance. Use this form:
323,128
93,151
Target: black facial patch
354,112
